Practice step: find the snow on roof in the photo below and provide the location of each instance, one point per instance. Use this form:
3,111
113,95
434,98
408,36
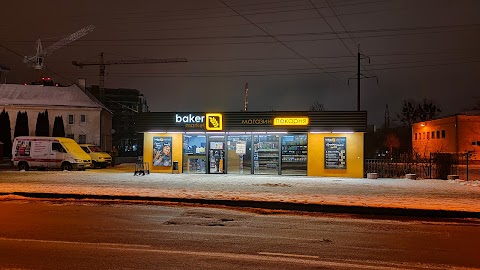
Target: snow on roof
36,95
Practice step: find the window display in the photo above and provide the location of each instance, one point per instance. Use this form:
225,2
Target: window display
266,154
294,155
194,155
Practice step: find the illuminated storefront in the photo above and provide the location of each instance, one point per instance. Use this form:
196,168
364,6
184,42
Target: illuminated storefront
286,143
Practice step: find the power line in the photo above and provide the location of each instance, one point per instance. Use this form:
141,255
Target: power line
289,48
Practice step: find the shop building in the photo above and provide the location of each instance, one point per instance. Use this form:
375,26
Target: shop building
269,143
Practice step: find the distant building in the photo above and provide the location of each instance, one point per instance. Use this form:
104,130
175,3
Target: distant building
125,104
86,120
453,134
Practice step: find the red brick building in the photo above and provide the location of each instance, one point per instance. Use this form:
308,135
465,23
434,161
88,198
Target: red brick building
452,134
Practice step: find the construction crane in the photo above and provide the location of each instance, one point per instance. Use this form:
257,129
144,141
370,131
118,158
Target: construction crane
37,60
102,64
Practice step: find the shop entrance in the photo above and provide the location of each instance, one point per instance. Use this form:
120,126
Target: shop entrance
216,154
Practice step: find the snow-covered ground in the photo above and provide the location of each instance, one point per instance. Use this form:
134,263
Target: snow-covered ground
398,193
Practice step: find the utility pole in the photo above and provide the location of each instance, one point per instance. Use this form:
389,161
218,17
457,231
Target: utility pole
360,76
246,98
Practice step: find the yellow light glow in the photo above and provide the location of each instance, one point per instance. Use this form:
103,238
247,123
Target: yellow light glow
214,121
290,121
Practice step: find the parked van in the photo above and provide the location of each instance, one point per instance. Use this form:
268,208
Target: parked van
48,152
99,157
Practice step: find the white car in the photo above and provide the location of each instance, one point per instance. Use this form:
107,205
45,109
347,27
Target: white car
100,159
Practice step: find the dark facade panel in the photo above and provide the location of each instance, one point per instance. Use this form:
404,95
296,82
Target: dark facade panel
326,121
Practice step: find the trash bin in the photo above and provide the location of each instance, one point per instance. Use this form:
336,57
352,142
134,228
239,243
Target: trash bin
141,168
175,167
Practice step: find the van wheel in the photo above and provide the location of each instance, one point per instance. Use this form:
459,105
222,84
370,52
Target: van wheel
67,166
95,164
23,166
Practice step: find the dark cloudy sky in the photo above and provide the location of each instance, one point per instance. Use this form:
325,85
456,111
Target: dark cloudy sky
289,52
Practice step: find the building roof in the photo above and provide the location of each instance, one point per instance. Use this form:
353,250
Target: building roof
39,95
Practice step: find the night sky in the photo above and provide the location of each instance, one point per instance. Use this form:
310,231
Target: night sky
289,52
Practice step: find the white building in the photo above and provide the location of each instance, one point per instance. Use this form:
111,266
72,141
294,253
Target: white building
86,120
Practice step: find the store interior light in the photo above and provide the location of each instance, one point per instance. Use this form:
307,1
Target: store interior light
320,132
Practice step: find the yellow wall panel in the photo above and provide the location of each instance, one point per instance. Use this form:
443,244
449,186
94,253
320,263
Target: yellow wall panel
177,150
316,155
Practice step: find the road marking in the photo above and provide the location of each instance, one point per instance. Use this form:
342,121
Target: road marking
289,255
74,242
261,256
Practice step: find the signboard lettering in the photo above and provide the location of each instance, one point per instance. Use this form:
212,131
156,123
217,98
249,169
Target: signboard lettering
335,153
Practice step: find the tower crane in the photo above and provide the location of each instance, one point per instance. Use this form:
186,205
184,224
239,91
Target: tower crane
37,60
102,64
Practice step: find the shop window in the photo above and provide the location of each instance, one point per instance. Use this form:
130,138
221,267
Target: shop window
294,155
82,138
266,154
71,119
438,134
443,133
194,154
433,134
239,152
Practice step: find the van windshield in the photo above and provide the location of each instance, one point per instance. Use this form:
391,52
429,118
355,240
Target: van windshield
95,148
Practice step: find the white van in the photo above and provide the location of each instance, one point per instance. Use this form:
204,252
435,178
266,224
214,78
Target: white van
99,158
48,152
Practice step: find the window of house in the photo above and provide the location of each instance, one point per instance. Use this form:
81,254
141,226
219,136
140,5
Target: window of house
415,136
428,135
83,119
424,136
443,133
82,138
438,134
433,134
71,119
474,143
71,136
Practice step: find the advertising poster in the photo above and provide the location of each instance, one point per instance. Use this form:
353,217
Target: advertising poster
162,151
335,153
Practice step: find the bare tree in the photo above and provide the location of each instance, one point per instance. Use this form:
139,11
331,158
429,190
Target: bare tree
316,107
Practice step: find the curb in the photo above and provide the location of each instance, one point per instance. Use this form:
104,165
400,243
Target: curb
288,206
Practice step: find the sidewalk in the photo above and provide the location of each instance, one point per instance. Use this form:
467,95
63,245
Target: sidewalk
323,194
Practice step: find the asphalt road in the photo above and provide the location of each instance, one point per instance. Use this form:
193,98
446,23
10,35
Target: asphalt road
72,235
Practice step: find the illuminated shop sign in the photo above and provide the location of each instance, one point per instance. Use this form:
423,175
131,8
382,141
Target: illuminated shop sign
209,121
257,121
290,121
214,121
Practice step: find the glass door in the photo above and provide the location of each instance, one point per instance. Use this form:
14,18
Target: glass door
266,154
216,154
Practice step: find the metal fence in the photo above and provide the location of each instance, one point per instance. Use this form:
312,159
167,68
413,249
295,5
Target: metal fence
438,166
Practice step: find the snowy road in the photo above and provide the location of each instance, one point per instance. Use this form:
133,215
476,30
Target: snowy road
41,235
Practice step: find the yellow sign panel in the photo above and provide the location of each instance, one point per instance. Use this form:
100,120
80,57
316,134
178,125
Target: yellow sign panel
290,121
214,121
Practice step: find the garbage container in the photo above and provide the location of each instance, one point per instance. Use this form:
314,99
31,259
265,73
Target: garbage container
175,167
